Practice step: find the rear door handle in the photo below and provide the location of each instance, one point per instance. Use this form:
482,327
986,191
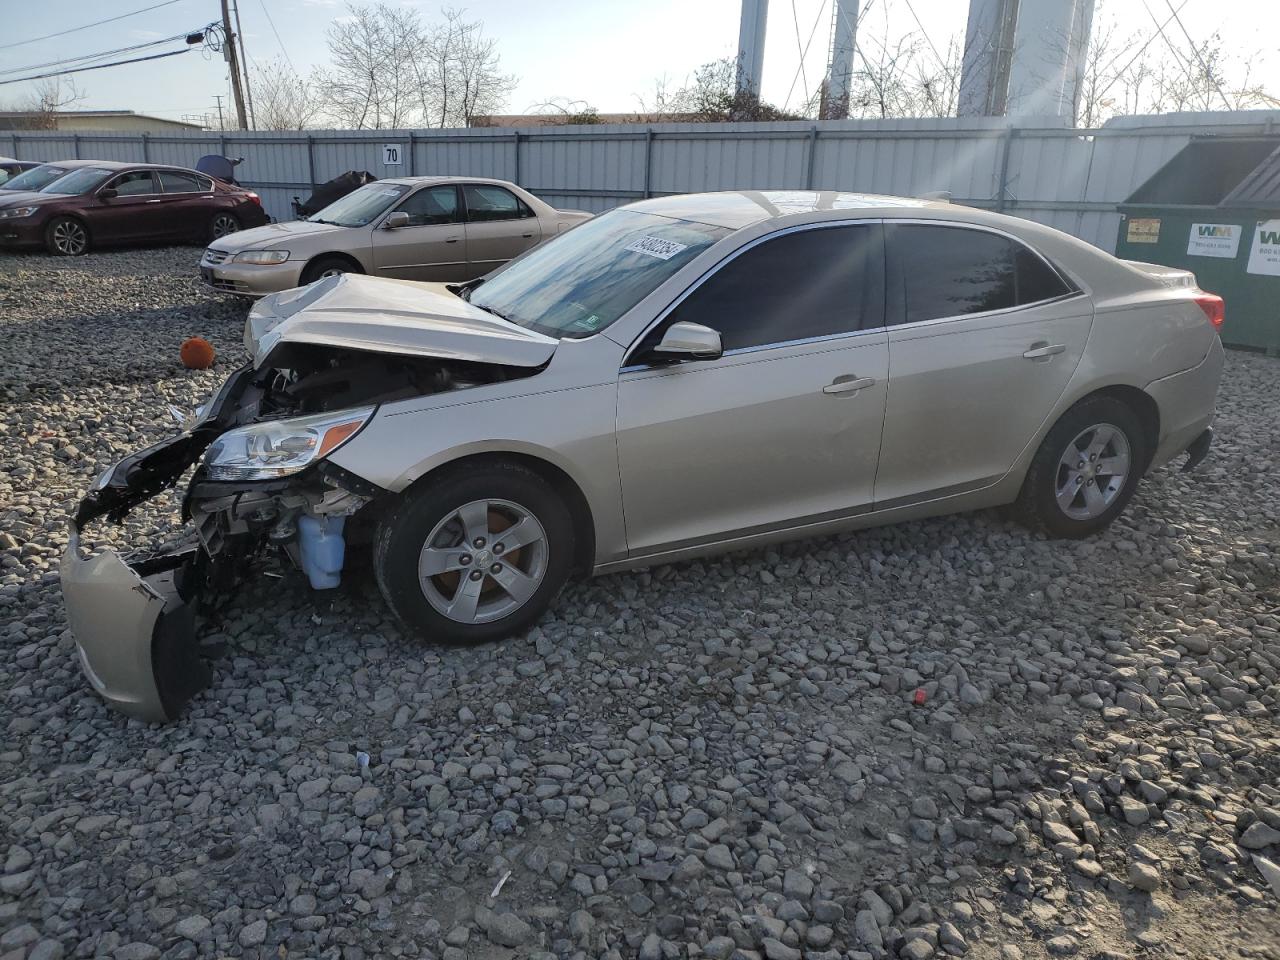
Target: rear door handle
451,240
153,201
1042,351
526,235
848,383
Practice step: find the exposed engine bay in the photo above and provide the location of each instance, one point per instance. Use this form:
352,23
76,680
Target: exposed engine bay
303,401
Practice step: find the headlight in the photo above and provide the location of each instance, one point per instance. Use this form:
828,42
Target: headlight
280,448
262,256
17,212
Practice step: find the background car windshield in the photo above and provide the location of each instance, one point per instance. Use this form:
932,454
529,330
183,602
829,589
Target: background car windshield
78,181
361,206
36,178
584,280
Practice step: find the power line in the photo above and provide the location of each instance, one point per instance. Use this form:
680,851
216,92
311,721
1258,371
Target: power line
1141,50
1196,50
808,43
63,33
95,56
929,40
288,59
795,18
100,66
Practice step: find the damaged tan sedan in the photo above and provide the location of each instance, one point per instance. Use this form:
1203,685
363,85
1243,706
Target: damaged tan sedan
673,378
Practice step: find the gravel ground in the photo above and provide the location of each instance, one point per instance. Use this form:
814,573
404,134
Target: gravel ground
945,738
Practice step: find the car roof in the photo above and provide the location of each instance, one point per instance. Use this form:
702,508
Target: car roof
736,209
417,181
122,165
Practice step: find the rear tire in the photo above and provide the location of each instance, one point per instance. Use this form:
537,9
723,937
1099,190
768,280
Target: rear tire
1085,471
323,267
475,555
66,237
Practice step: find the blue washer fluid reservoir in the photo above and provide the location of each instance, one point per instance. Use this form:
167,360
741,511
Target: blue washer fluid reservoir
322,549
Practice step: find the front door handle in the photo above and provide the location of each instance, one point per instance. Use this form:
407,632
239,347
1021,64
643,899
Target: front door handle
527,236
451,240
1043,351
848,383
153,201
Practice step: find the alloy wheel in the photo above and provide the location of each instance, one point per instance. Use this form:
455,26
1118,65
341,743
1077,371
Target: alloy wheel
1092,471
70,237
223,225
483,561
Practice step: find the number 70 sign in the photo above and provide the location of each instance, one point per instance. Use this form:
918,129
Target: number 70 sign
391,154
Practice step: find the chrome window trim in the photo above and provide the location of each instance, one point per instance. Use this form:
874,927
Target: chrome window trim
1076,289
716,268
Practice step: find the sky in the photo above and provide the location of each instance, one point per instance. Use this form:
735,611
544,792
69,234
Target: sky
608,53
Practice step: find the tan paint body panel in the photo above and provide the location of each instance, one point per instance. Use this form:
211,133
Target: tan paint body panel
726,459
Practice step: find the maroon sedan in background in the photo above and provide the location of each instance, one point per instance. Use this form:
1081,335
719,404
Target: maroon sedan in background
101,202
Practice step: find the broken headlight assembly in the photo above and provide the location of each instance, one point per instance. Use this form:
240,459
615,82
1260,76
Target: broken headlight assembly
280,448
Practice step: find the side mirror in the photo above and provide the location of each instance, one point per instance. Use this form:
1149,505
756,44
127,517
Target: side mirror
395,220
689,341
108,193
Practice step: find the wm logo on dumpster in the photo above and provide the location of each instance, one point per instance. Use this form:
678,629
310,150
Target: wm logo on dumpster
1214,230
1268,237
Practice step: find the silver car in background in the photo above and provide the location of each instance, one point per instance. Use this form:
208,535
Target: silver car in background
674,378
410,228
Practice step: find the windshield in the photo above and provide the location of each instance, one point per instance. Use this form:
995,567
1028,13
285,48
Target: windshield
361,206
36,177
584,280
77,181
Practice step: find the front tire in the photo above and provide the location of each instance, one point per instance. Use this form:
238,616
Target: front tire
476,555
1085,471
327,267
66,237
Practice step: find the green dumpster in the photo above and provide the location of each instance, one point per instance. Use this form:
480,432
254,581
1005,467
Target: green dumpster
1214,209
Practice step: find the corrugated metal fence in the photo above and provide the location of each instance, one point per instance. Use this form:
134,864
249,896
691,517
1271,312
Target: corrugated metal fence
1070,179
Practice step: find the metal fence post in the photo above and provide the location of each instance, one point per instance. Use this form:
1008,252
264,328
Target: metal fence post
311,160
13,138
813,151
516,141
412,141
75,145
648,162
1006,144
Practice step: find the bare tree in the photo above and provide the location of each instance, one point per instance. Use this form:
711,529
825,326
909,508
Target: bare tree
284,101
370,82
568,111
49,96
711,96
460,72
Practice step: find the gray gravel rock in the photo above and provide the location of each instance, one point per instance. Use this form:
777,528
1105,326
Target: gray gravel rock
942,736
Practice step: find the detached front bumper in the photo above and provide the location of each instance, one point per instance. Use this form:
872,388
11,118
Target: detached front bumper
134,626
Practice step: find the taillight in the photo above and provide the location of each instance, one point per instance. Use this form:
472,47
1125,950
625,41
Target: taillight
255,198
1213,308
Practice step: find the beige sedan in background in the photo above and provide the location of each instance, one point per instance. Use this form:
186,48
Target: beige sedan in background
409,228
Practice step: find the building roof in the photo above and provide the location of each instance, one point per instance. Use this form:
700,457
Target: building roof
574,119
70,116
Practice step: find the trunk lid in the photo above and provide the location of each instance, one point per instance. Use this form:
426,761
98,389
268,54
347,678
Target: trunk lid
402,317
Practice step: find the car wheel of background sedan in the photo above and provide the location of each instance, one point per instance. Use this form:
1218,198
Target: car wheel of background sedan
475,555
1085,471
327,267
223,224
66,237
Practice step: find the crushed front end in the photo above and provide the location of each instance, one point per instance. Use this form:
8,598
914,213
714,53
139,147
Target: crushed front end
261,483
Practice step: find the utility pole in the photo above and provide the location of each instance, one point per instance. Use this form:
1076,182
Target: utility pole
233,64
221,123
244,65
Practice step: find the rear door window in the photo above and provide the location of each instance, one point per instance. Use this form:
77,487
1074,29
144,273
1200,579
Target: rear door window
810,283
487,202
174,181
952,271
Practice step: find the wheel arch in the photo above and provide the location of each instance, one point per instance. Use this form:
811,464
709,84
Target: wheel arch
332,255
1141,403
566,488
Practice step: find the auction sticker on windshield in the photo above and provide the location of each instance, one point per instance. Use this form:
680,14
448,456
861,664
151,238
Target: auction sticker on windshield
656,247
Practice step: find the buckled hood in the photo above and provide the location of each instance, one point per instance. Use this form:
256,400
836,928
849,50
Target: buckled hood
391,316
